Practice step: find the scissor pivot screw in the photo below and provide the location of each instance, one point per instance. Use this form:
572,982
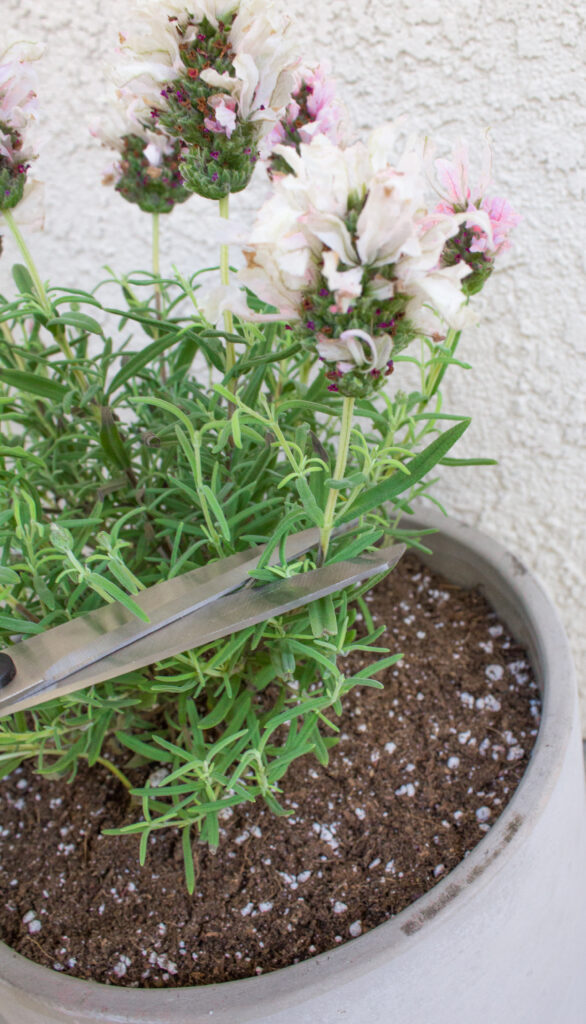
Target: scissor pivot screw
7,670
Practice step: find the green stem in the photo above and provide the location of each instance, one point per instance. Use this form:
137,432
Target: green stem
156,262
25,252
59,335
341,460
225,278
438,368
8,337
305,371
106,763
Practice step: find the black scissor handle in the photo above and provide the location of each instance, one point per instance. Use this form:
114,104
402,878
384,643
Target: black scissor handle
7,670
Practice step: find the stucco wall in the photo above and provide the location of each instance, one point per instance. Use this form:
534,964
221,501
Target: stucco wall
456,67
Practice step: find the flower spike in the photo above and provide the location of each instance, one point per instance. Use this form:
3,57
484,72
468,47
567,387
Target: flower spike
18,106
215,74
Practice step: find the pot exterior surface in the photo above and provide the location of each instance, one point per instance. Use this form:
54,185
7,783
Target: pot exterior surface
500,940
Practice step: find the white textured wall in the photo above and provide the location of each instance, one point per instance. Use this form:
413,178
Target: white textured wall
456,67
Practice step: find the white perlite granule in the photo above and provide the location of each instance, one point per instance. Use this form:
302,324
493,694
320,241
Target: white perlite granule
122,966
494,672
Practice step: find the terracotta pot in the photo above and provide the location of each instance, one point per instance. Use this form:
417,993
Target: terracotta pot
500,940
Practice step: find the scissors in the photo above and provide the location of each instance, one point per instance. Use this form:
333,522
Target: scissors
185,612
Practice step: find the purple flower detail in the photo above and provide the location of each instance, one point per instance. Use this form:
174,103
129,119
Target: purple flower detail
215,176
214,154
324,292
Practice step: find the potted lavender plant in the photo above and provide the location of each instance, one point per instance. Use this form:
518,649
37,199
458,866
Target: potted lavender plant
320,408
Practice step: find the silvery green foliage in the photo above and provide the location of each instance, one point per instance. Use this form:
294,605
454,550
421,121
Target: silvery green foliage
120,470
121,465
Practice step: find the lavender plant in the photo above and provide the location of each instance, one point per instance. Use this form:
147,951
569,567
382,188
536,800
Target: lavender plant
119,468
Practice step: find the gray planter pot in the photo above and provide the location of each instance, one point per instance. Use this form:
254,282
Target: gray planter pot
500,940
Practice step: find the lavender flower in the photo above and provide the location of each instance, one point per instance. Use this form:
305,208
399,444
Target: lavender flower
18,105
472,245
215,74
346,250
313,110
146,171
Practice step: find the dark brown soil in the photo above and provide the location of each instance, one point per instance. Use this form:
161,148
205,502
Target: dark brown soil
423,769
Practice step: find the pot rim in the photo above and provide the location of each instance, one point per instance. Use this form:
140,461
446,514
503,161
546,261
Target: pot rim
484,562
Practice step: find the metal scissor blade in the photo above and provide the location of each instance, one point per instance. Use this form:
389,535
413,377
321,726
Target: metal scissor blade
40,660
210,622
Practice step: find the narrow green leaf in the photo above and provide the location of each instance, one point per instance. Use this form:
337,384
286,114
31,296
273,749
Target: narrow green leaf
8,577
105,586
81,321
418,466
19,625
143,847
168,407
23,279
216,509
210,832
378,666
314,512
76,295
468,462
235,425
111,440
349,481
34,384
16,451
353,548
217,714
137,362
44,592
8,762
144,749
188,860
312,653
271,357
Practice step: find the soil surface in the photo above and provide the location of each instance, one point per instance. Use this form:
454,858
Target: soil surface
423,769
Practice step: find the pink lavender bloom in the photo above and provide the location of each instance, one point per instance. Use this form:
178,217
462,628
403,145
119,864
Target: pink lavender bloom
458,196
146,171
313,110
225,115
18,104
216,74
502,220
